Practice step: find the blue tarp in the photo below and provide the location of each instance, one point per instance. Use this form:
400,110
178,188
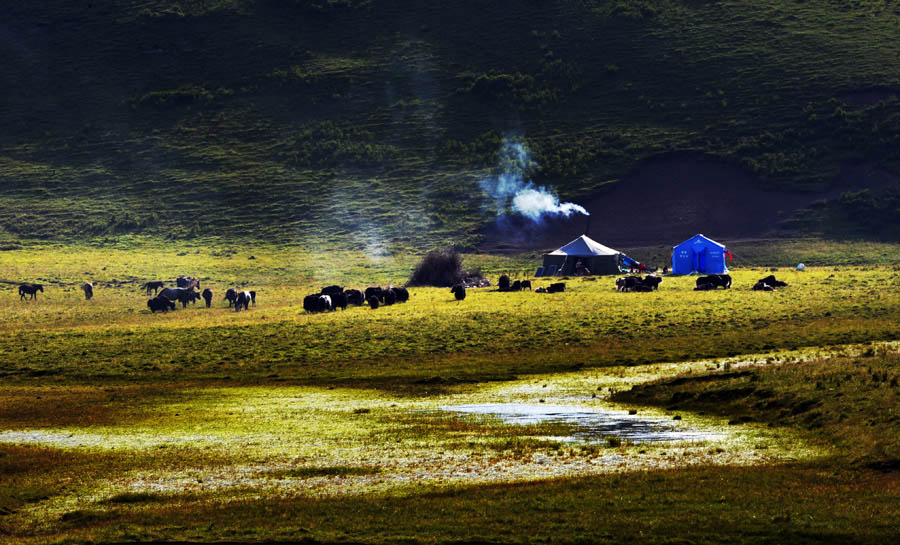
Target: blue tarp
699,255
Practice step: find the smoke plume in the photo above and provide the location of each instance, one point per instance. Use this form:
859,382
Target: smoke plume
508,189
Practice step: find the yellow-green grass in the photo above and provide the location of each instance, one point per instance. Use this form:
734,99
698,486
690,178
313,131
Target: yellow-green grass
214,462
206,424
490,335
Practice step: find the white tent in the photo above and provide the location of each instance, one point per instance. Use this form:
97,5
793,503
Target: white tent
598,259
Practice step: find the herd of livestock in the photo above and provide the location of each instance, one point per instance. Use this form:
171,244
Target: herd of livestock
333,297
185,293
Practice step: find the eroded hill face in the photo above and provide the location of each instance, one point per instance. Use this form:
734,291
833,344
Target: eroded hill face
368,123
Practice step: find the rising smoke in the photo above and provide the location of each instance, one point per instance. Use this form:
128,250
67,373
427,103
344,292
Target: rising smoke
508,189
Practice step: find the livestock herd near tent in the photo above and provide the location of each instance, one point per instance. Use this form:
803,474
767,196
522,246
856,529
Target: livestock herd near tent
583,256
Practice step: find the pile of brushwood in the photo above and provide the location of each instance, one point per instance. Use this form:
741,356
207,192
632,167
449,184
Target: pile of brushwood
443,268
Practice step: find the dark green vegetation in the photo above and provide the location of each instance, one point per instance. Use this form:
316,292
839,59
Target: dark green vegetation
367,124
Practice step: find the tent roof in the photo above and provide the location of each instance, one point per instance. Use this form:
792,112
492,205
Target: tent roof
584,245
700,239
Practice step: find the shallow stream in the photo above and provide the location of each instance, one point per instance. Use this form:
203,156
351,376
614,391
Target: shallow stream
591,426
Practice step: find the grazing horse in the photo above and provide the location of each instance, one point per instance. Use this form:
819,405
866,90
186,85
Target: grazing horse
230,296
187,282
181,295
155,286
30,289
207,296
88,289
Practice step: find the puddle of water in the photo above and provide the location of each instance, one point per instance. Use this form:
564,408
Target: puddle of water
593,426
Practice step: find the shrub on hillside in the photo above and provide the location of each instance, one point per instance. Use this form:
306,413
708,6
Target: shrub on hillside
444,269
438,268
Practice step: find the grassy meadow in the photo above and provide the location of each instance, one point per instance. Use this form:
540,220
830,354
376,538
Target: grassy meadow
117,425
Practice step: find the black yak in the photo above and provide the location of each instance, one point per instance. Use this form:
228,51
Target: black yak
230,296
88,289
331,290
207,296
459,291
160,303
338,299
503,283
526,284
652,280
627,283
556,287
771,281
401,294
388,297
374,291
317,303
373,301
355,297
243,300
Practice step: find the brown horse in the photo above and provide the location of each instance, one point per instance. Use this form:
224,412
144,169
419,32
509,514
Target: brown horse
30,289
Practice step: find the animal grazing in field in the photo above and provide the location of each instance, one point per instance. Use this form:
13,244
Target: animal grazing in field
771,281
652,281
187,282
516,286
338,299
713,281
88,290
374,291
556,287
627,283
182,295
762,286
459,291
30,289
155,286
388,297
207,296
642,288
401,294
373,302
503,283
230,296
243,300
317,303
526,284
253,297
331,290
160,303
541,290
355,297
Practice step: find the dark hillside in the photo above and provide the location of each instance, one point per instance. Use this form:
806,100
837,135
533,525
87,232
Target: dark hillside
369,123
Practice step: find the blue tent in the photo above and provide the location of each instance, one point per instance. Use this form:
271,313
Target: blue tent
699,255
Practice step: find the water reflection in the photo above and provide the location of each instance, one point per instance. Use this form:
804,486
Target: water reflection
591,426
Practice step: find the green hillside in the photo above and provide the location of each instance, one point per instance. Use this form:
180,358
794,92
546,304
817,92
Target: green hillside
369,123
